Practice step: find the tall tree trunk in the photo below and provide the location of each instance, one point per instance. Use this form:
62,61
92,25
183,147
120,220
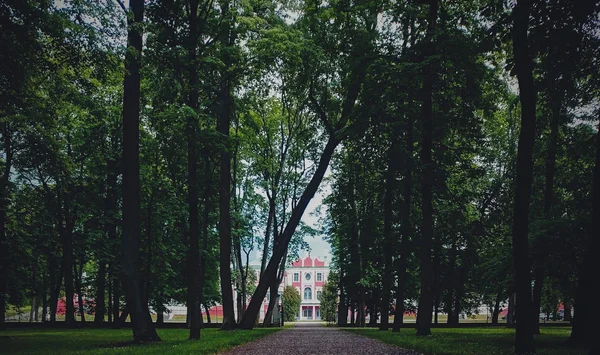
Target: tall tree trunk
207,310
343,304
496,311
510,313
540,260
116,299
388,215
109,310
584,322
567,309
193,262
55,289
524,343
78,281
406,228
66,237
141,322
100,309
4,197
223,125
426,294
45,299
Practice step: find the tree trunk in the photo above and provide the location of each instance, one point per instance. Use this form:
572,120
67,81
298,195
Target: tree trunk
223,125
538,285
342,319
567,305
193,261
34,305
510,314
4,198
66,233
55,290
100,291
160,317
406,228
78,281
426,294
584,322
109,310
496,311
388,215
524,343
141,322
207,314
116,299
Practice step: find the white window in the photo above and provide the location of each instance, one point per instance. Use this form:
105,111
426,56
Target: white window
296,277
319,293
307,276
319,276
308,293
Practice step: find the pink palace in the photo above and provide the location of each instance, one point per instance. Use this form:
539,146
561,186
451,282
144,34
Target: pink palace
307,275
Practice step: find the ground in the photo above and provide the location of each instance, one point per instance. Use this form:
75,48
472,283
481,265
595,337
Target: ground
114,341
473,340
298,338
313,338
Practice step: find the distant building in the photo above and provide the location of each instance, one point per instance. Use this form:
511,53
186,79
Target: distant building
307,275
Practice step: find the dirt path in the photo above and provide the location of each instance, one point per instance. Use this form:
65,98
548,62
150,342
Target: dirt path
315,339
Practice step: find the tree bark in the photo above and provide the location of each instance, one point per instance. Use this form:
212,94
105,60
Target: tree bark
388,215
584,322
4,197
193,262
406,228
524,343
141,323
426,296
100,309
223,126
510,314
496,311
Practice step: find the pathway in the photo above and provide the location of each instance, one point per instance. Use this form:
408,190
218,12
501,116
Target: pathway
312,338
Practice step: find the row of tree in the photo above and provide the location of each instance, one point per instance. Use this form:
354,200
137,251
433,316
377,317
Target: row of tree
147,149
472,180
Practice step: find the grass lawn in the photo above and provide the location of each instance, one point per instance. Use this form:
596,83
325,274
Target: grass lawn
115,341
473,341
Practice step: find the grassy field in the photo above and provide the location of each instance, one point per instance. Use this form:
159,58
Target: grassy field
117,341
473,341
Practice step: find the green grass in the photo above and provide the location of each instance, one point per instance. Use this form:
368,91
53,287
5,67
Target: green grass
473,341
117,341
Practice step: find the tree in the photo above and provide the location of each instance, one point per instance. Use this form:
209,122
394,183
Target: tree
328,300
141,323
291,303
524,170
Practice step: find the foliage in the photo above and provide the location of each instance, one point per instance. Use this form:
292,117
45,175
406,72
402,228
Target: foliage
329,299
291,303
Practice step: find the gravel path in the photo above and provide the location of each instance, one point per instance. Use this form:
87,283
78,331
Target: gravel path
315,339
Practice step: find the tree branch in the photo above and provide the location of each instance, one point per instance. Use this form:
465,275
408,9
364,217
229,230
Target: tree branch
120,2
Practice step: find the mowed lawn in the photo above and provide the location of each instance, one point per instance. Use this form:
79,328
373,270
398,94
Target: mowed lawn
473,341
117,341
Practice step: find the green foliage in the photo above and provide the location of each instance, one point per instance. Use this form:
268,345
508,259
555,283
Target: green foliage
329,299
291,303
